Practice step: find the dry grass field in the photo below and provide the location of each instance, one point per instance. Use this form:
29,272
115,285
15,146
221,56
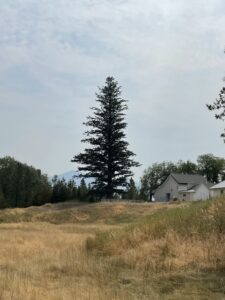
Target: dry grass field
113,251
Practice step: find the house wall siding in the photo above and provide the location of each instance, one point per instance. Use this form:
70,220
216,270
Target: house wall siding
185,196
202,193
217,192
170,186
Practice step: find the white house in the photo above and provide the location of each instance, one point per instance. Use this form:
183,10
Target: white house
183,187
218,189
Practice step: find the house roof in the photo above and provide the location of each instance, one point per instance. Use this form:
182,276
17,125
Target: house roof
192,188
219,185
194,179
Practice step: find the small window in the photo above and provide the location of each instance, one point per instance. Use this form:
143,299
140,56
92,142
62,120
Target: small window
184,195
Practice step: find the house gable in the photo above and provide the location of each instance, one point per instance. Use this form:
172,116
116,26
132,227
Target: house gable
167,191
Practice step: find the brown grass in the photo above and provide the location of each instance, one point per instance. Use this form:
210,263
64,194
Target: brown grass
78,213
41,260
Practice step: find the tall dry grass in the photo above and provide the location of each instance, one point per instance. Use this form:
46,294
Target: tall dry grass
155,257
184,240
43,261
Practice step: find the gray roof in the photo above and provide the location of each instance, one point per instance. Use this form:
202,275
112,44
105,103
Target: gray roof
191,188
194,179
220,185
194,187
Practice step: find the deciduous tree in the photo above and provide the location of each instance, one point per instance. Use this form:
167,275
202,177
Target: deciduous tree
212,167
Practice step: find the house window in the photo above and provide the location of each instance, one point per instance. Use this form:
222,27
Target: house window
221,192
184,195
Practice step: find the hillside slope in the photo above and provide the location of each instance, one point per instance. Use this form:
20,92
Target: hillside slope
82,213
113,251
180,248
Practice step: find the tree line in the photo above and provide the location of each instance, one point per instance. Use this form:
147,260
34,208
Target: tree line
22,186
64,191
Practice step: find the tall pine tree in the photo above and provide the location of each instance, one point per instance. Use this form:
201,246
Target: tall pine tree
108,159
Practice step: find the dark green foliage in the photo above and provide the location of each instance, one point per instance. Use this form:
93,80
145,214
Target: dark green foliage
107,160
63,191
72,189
60,191
83,191
131,192
212,167
22,185
186,167
3,203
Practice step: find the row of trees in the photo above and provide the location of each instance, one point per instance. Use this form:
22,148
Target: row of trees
22,185
63,191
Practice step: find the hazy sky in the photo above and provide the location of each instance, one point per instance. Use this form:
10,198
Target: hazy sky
167,55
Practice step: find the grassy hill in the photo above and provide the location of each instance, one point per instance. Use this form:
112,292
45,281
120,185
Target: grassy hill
81,213
113,251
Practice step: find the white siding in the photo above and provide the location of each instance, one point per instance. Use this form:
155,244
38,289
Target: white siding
217,192
201,193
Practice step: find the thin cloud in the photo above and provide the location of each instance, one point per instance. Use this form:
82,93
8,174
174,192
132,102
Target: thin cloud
168,55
